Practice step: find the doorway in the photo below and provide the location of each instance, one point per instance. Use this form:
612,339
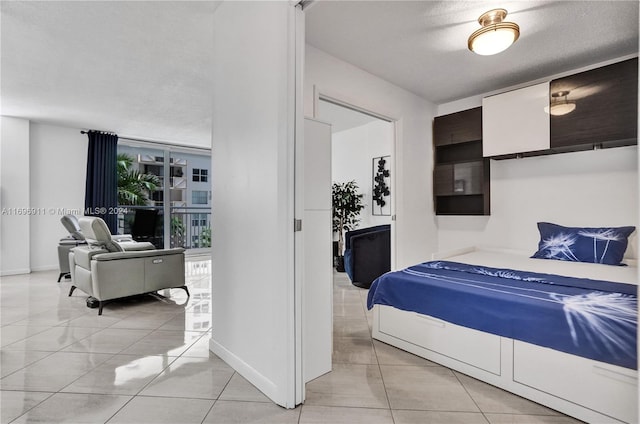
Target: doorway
359,140
362,150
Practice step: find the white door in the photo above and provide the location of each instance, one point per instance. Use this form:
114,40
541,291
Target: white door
317,300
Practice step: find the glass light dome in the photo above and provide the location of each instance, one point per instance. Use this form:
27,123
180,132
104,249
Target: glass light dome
494,36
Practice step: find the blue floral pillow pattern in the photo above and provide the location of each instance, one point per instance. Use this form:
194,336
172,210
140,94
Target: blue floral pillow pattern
594,245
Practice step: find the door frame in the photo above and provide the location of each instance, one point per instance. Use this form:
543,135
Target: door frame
321,93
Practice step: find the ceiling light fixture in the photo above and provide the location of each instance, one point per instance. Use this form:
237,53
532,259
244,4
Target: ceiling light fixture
560,106
495,35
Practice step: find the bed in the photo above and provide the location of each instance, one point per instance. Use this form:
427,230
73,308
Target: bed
583,362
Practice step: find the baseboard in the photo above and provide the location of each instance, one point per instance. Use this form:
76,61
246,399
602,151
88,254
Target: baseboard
44,268
15,272
263,384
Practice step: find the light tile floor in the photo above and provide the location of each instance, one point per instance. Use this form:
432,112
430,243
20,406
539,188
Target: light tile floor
146,360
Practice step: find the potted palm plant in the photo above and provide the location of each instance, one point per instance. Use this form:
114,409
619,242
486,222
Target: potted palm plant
347,204
133,187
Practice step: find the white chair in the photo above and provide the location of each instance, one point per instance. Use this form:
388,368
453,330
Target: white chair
76,238
105,270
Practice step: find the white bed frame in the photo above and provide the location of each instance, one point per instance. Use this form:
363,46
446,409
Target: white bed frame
592,391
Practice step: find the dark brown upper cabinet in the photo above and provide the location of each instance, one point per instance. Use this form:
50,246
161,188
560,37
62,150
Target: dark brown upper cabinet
459,127
461,184
606,108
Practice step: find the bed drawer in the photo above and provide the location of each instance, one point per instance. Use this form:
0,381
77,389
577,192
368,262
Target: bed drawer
609,389
476,348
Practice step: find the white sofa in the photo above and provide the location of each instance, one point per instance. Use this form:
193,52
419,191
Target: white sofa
107,270
76,238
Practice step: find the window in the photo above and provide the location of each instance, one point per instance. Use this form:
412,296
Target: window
200,175
170,198
194,241
199,197
199,220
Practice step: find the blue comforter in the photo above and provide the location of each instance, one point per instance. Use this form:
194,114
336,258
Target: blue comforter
589,318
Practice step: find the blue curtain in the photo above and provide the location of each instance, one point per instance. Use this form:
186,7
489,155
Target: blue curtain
101,194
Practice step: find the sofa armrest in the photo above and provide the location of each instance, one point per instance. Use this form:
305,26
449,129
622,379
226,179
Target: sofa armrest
370,256
84,254
112,256
130,246
359,231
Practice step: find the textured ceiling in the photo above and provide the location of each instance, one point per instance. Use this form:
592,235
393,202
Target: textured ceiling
144,68
137,68
342,118
422,45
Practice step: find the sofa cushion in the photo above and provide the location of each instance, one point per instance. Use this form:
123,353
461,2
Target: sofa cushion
97,233
70,222
130,246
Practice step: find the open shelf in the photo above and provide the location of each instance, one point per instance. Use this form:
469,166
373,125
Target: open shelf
460,152
472,204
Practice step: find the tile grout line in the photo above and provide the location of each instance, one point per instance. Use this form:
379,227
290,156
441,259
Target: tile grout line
138,393
109,356
384,385
89,371
120,409
59,391
210,408
375,351
220,394
16,341
455,374
122,350
27,365
34,406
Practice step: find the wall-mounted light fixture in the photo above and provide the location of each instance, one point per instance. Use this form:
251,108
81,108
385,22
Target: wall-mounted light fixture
560,106
495,35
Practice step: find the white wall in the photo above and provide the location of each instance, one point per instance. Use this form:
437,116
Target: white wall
415,229
253,166
58,167
43,168
352,152
592,188
14,196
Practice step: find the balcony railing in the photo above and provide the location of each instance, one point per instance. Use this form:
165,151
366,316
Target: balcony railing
189,227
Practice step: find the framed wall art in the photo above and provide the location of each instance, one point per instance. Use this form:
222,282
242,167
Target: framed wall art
381,187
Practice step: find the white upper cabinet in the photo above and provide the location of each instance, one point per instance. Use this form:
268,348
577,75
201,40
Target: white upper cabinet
516,121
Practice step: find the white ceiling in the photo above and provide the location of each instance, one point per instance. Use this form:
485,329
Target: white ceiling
422,45
144,69
141,69
342,118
